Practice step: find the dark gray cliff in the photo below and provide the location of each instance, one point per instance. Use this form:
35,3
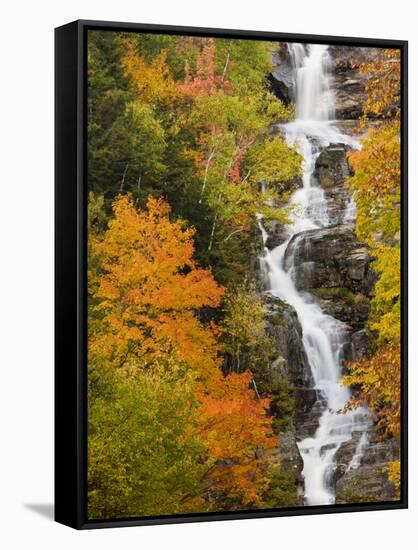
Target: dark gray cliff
331,172
335,268
368,482
290,383
281,78
348,84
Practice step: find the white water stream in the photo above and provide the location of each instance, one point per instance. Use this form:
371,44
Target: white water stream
323,336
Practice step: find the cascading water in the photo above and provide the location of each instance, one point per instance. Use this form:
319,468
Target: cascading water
323,336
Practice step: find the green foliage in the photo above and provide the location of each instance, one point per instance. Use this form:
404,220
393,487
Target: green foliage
139,138
352,497
108,95
272,161
96,215
283,404
143,459
244,336
249,63
282,490
152,45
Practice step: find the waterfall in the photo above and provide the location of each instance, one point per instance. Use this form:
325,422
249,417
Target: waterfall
323,336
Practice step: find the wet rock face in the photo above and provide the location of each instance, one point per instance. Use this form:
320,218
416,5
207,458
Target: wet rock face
330,258
280,85
349,308
331,167
331,172
290,365
360,340
368,482
348,84
311,408
281,78
336,269
349,94
277,233
283,327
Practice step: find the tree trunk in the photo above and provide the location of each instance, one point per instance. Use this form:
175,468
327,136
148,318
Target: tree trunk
123,178
226,66
212,233
205,179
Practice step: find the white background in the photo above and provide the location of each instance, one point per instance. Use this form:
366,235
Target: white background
26,256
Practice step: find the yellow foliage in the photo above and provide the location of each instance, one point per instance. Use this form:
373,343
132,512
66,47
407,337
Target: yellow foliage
152,80
378,379
386,304
382,84
393,471
376,187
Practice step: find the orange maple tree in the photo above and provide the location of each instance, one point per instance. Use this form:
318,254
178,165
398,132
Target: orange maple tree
149,287
238,434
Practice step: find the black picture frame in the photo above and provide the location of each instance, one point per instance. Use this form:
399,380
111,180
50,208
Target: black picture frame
71,273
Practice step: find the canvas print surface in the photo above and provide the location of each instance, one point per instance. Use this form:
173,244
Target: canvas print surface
243,275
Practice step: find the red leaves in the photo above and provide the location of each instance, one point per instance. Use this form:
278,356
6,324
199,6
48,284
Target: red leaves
204,81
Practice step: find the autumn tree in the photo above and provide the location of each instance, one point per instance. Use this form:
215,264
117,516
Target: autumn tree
382,83
148,288
234,424
146,340
229,128
144,456
126,138
187,112
152,79
243,328
376,187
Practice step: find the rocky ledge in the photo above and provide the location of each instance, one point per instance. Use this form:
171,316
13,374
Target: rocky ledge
339,260
335,268
348,83
368,482
289,373
331,172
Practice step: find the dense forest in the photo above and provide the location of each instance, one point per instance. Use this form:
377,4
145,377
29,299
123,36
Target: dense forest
186,411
